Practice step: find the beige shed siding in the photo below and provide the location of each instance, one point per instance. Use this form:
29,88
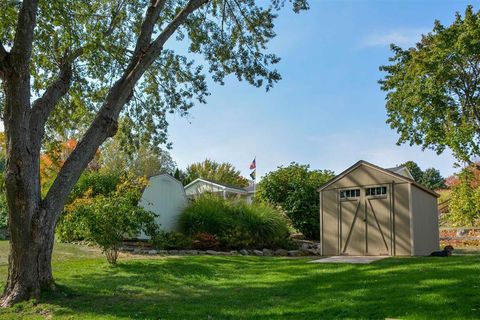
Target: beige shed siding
402,220
329,223
425,222
363,176
366,176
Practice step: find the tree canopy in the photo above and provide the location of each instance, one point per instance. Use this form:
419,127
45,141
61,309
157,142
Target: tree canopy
214,171
294,189
433,89
430,178
144,160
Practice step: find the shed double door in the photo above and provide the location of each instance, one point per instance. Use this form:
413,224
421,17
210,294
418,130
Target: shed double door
365,226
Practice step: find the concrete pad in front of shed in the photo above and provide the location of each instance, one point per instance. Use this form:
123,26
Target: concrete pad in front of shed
350,259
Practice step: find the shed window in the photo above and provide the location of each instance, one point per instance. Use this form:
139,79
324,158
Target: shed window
349,193
376,191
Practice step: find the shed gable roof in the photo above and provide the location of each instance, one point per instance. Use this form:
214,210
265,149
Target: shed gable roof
390,172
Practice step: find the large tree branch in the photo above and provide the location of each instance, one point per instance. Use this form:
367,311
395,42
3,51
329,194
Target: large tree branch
148,25
191,6
105,123
23,42
43,106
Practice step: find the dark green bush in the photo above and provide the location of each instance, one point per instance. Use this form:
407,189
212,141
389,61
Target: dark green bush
171,240
294,189
235,223
95,183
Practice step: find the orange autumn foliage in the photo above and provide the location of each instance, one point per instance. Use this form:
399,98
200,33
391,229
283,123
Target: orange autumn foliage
52,160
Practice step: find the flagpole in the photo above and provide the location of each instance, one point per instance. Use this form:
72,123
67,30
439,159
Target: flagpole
255,179
253,175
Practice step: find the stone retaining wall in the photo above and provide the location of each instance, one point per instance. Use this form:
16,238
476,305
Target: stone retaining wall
460,237
305,248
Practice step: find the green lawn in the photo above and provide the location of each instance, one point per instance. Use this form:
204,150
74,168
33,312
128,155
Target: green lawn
206,287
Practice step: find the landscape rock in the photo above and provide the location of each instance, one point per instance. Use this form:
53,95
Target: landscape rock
173,252
305,246
305,252
244,252
294,253
281,252
234,252
212,252
267,252
163,252
152,252
258,252
313,252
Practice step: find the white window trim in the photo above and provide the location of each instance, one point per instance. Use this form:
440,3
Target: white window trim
377,195
349,198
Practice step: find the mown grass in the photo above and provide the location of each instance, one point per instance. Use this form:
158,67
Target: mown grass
207,287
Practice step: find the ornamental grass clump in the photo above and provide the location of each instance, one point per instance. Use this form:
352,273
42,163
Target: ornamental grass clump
208,213
235,223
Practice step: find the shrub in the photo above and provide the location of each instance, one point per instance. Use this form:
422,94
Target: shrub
171,240
109,217
264,225
235,223
294,189
208,213
95,183
71,225
205,241
108,220
465,201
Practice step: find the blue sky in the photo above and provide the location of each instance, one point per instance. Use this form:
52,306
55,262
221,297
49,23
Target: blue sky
328,110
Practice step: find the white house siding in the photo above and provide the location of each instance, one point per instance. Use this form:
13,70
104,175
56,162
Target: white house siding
165,196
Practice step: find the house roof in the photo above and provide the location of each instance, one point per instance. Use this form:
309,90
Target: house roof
250,188
399,169
220,185
390,171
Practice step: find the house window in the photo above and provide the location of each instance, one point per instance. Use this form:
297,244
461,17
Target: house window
349,193
376,191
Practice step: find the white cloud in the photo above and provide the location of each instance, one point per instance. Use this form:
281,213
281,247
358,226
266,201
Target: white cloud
401,37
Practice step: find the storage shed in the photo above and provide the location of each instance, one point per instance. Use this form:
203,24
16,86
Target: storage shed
165,196
369,210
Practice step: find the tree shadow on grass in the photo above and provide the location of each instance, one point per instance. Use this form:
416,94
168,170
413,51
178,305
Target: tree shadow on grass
266,288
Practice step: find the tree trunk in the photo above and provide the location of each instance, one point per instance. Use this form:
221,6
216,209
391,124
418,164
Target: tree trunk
31,234
31,228
29,268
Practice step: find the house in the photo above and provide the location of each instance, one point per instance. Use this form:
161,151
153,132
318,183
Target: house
164,196
200,185
369,210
